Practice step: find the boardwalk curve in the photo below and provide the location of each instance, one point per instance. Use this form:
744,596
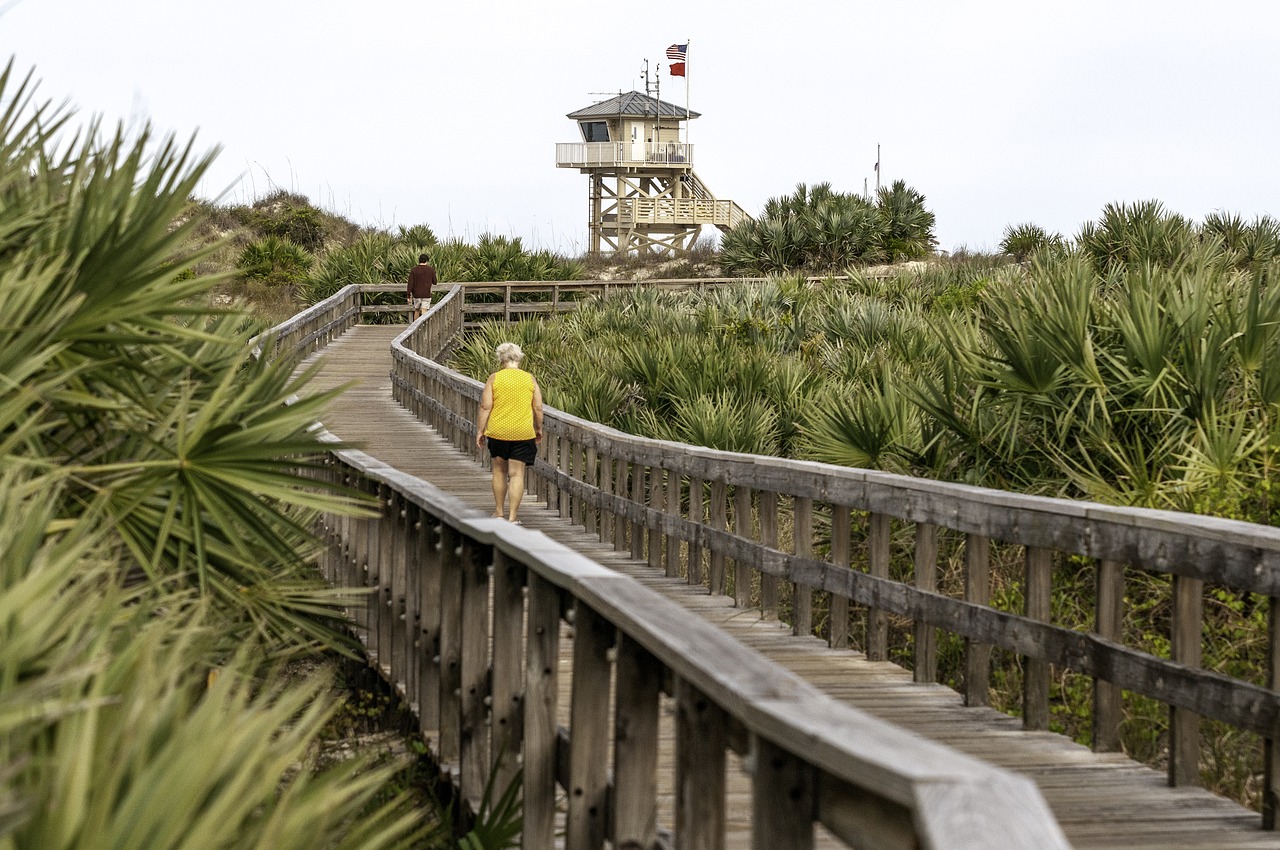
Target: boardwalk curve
1099,799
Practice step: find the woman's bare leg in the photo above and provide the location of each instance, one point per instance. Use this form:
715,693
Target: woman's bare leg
515,486
500,483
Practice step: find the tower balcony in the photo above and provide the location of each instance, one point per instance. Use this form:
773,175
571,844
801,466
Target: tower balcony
679,212
623,154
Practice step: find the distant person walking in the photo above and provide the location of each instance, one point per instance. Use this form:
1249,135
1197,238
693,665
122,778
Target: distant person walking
511,421
422,278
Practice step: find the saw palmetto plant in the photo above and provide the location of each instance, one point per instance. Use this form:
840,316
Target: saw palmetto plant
155,535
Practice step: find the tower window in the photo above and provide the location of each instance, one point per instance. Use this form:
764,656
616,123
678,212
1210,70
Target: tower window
594,131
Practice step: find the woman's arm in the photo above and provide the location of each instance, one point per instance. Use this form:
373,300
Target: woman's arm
486,407
537,411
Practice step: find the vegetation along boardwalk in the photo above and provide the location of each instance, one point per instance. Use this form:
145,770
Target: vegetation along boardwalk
627,515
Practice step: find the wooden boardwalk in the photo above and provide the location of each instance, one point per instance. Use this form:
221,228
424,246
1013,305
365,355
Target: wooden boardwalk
1101,800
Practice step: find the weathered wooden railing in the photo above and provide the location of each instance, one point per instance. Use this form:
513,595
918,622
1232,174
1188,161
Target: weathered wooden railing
465,619
508,300
483,679
697,513
314,327
482,302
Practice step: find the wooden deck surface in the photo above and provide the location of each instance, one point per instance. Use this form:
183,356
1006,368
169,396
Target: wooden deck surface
1101,800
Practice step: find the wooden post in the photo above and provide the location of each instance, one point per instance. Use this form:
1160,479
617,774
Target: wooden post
742,527
1035,683
637,497
579,474
673,510
769,537
720,522
656,502
349,573
396,555
1271,746
802,543
1184,726
508,674
565,501
537,479
608,520
473,730
591,475
783,797
573,468
429,578
551,451
620,489
635,815
1108,623
374,579
450,645
542,673
977,589
701,739
697,513
589,725
880,527
841,544
411,633
382,566
925,669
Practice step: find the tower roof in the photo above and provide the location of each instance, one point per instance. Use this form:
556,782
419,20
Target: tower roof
633,105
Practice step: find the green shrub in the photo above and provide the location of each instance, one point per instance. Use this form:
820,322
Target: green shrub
290,217
818,229
1129,236
419,237
275,262
157,544
1025,240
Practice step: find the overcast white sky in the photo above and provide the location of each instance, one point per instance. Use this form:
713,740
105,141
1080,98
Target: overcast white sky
393,112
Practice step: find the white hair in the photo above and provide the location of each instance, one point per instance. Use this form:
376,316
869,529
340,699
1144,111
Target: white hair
509,354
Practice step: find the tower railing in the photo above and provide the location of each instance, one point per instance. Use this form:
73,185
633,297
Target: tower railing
604,154
725,214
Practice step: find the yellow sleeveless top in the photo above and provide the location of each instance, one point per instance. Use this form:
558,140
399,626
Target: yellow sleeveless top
512,415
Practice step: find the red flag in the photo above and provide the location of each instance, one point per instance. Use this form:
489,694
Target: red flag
676,53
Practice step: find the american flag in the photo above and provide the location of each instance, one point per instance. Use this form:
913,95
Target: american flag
676,52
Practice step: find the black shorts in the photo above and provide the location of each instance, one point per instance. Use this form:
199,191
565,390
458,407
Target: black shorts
525,451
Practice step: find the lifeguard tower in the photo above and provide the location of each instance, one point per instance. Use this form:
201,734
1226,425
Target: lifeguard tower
645,197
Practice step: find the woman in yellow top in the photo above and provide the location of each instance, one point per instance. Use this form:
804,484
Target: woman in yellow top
511,421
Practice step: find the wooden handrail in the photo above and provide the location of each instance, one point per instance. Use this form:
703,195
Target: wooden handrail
1244,557
437,574
643,494
430,566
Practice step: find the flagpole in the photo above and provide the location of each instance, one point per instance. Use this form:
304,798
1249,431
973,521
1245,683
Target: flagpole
686,97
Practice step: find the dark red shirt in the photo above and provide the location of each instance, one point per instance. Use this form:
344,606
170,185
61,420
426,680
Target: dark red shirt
421,278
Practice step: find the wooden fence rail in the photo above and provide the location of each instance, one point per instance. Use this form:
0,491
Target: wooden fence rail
481,302
464,616
712,517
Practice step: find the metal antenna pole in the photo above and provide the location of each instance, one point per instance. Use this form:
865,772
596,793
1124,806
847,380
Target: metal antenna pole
657,111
